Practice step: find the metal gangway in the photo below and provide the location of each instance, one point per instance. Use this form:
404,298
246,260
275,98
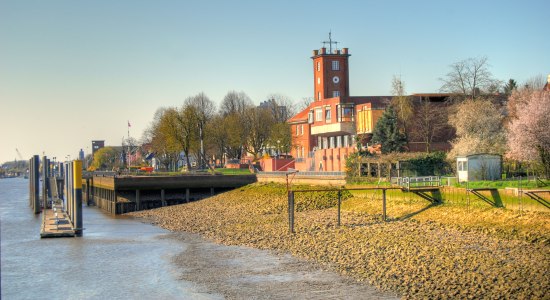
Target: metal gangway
417,183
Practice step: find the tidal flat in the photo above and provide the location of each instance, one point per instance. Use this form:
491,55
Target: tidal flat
422,250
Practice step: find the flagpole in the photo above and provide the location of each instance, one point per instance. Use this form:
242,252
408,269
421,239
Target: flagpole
128,152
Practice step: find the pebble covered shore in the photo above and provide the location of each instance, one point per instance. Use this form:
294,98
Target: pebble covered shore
430,254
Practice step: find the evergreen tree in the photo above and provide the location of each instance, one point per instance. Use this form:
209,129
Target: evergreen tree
510,87
387,133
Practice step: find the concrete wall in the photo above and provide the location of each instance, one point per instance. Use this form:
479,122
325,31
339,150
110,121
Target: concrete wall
304,179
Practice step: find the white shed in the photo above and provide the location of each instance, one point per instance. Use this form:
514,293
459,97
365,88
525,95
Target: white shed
481,166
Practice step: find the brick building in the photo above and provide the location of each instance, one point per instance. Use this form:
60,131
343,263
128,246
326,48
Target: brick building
324,134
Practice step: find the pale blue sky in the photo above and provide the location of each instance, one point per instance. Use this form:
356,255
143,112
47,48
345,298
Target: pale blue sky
75,71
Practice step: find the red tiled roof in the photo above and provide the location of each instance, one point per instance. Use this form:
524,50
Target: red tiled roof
300,117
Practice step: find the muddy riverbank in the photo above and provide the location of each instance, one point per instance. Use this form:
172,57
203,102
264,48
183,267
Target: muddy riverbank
428,253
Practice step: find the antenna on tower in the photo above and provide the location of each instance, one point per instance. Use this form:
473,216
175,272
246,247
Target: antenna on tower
330,42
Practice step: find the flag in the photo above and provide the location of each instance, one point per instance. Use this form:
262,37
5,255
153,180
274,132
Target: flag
129,124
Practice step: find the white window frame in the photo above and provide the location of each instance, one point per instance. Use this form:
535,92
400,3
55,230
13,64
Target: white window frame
336,65
319,114
328,114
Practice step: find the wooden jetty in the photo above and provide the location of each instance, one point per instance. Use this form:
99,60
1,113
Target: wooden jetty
56,223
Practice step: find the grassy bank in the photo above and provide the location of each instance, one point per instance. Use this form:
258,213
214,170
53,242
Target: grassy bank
447,250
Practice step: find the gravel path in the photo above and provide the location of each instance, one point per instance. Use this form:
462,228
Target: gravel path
245,273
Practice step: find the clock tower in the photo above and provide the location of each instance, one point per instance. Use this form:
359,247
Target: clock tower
330,71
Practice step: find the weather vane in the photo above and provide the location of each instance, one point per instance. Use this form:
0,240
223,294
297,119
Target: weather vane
330,42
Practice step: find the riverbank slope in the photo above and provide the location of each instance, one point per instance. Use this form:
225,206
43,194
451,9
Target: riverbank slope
446,250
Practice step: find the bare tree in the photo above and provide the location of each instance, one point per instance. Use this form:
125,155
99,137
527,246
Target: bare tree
304,103
429,123
401,103
535,83
281,106
258,128
235,103
470,78
203,109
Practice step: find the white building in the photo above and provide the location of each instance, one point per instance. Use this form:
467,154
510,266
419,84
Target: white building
480,166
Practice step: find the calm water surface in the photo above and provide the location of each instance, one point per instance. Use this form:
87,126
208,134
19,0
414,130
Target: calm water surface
116,258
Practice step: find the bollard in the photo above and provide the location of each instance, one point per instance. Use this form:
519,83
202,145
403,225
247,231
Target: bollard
162,198
187,195
77,188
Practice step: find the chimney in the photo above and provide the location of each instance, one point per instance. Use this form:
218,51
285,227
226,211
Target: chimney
323,50
344,50
315,52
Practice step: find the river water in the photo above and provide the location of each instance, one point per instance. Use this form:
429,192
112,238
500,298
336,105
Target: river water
116,258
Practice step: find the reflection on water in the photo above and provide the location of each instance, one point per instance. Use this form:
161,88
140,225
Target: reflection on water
117,258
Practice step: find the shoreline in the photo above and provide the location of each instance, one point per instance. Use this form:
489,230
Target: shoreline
240,272
426,255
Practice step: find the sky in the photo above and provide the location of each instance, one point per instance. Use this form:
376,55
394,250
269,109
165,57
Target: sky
75,71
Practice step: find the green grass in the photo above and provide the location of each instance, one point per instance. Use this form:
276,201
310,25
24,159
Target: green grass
225,171
501,184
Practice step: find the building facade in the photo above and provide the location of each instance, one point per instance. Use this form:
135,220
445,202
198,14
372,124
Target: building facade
323,134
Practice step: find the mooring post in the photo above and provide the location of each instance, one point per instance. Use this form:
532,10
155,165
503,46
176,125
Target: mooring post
138,204
384,205
77,178
162,200
88,191
339,205
36,184
187,195
291,211
31,200
211,191
44,180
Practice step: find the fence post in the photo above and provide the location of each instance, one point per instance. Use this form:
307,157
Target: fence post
339,205
291,211
384,205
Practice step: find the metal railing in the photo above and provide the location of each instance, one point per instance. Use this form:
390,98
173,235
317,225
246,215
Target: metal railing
415,182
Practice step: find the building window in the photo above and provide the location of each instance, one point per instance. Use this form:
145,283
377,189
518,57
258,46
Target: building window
327,114
463,166
302,129
339,141
335,94
346,141
319,96
319,143
318,114
310,117
335,65
297,129
318,66
318,80
331,141
345,113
